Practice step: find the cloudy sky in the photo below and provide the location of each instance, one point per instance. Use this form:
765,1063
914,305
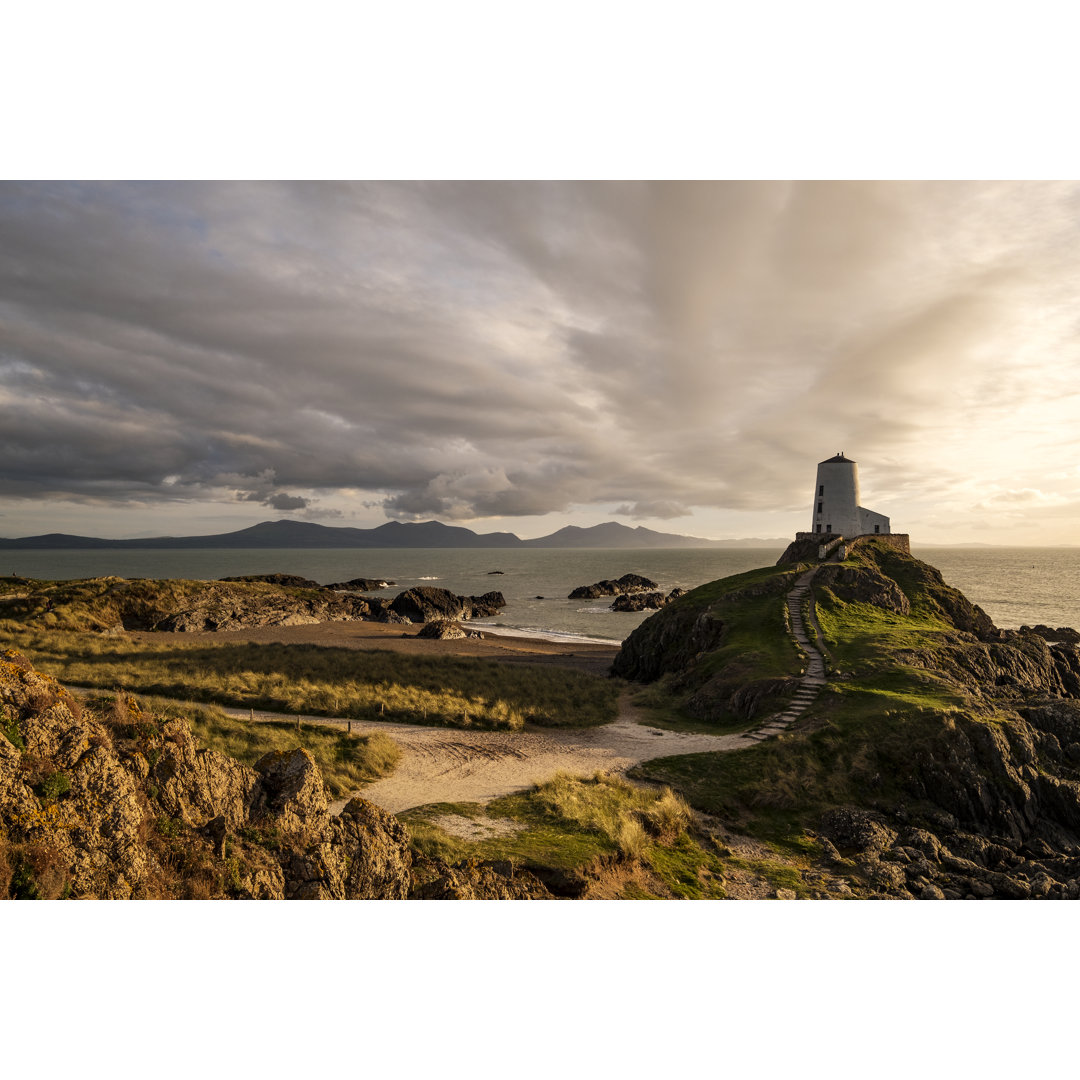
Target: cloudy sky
197,357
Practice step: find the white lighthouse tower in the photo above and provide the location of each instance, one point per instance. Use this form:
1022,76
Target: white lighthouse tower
836,502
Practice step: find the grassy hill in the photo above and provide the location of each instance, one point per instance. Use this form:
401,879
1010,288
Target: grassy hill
943,756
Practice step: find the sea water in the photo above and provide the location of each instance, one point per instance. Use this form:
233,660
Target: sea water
1015,586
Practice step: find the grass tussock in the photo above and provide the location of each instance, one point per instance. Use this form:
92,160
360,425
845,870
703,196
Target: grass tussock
325,681
570,822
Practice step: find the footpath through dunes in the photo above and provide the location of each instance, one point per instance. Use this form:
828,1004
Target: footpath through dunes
441,764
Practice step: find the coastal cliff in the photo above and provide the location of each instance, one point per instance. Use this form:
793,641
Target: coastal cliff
940,760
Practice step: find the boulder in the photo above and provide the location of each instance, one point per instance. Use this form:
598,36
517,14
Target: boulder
441,630
424,603
645,601
487,605
651,601
853,828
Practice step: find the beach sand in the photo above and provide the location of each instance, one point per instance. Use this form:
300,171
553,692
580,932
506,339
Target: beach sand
583,656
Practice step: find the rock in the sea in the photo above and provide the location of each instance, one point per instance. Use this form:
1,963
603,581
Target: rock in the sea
425,602
290,580
628,583
441,630
650,601
483,607
360,584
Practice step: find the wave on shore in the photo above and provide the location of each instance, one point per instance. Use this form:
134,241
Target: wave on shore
541,635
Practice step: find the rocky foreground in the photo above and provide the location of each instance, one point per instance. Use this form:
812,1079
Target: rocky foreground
118,804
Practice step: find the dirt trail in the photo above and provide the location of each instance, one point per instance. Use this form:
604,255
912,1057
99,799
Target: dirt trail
456,765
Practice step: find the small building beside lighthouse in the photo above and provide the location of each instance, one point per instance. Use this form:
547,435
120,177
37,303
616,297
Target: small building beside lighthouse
838,524
836,509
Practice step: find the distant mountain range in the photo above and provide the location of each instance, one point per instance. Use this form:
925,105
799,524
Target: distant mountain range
394,534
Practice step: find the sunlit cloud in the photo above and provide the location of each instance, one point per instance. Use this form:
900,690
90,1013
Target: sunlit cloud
541,352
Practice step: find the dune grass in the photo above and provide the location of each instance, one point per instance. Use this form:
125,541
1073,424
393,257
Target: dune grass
347,762
570,822
326,681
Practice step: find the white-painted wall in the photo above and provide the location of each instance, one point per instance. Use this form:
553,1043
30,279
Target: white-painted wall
836,506
869,522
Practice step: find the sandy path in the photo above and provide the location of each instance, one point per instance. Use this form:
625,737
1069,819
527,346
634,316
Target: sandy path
456,765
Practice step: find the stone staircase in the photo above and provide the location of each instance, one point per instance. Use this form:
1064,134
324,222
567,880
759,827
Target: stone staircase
814,677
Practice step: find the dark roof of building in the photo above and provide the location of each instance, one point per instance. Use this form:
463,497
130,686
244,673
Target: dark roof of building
839,457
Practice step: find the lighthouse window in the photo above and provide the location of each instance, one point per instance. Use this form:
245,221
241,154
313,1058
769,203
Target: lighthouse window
821,489
819,505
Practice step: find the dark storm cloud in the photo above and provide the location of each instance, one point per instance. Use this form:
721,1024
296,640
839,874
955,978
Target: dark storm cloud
504,349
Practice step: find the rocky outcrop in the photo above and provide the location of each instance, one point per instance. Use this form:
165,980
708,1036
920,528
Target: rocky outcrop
650,601
360,584
627,584
424,603
124,804
675,639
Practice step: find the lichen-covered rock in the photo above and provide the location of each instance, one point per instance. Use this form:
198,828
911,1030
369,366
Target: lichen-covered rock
291,791
376,847
436,880
84,813
196,785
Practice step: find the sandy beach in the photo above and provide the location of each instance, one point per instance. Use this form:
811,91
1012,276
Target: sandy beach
584,656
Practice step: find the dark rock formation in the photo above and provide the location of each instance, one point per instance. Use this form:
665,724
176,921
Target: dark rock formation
487,605
290,580
1064,634
651,601
424,603
126,805
360,584
628,583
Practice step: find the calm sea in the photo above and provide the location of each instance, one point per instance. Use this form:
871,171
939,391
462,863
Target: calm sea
1013,585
